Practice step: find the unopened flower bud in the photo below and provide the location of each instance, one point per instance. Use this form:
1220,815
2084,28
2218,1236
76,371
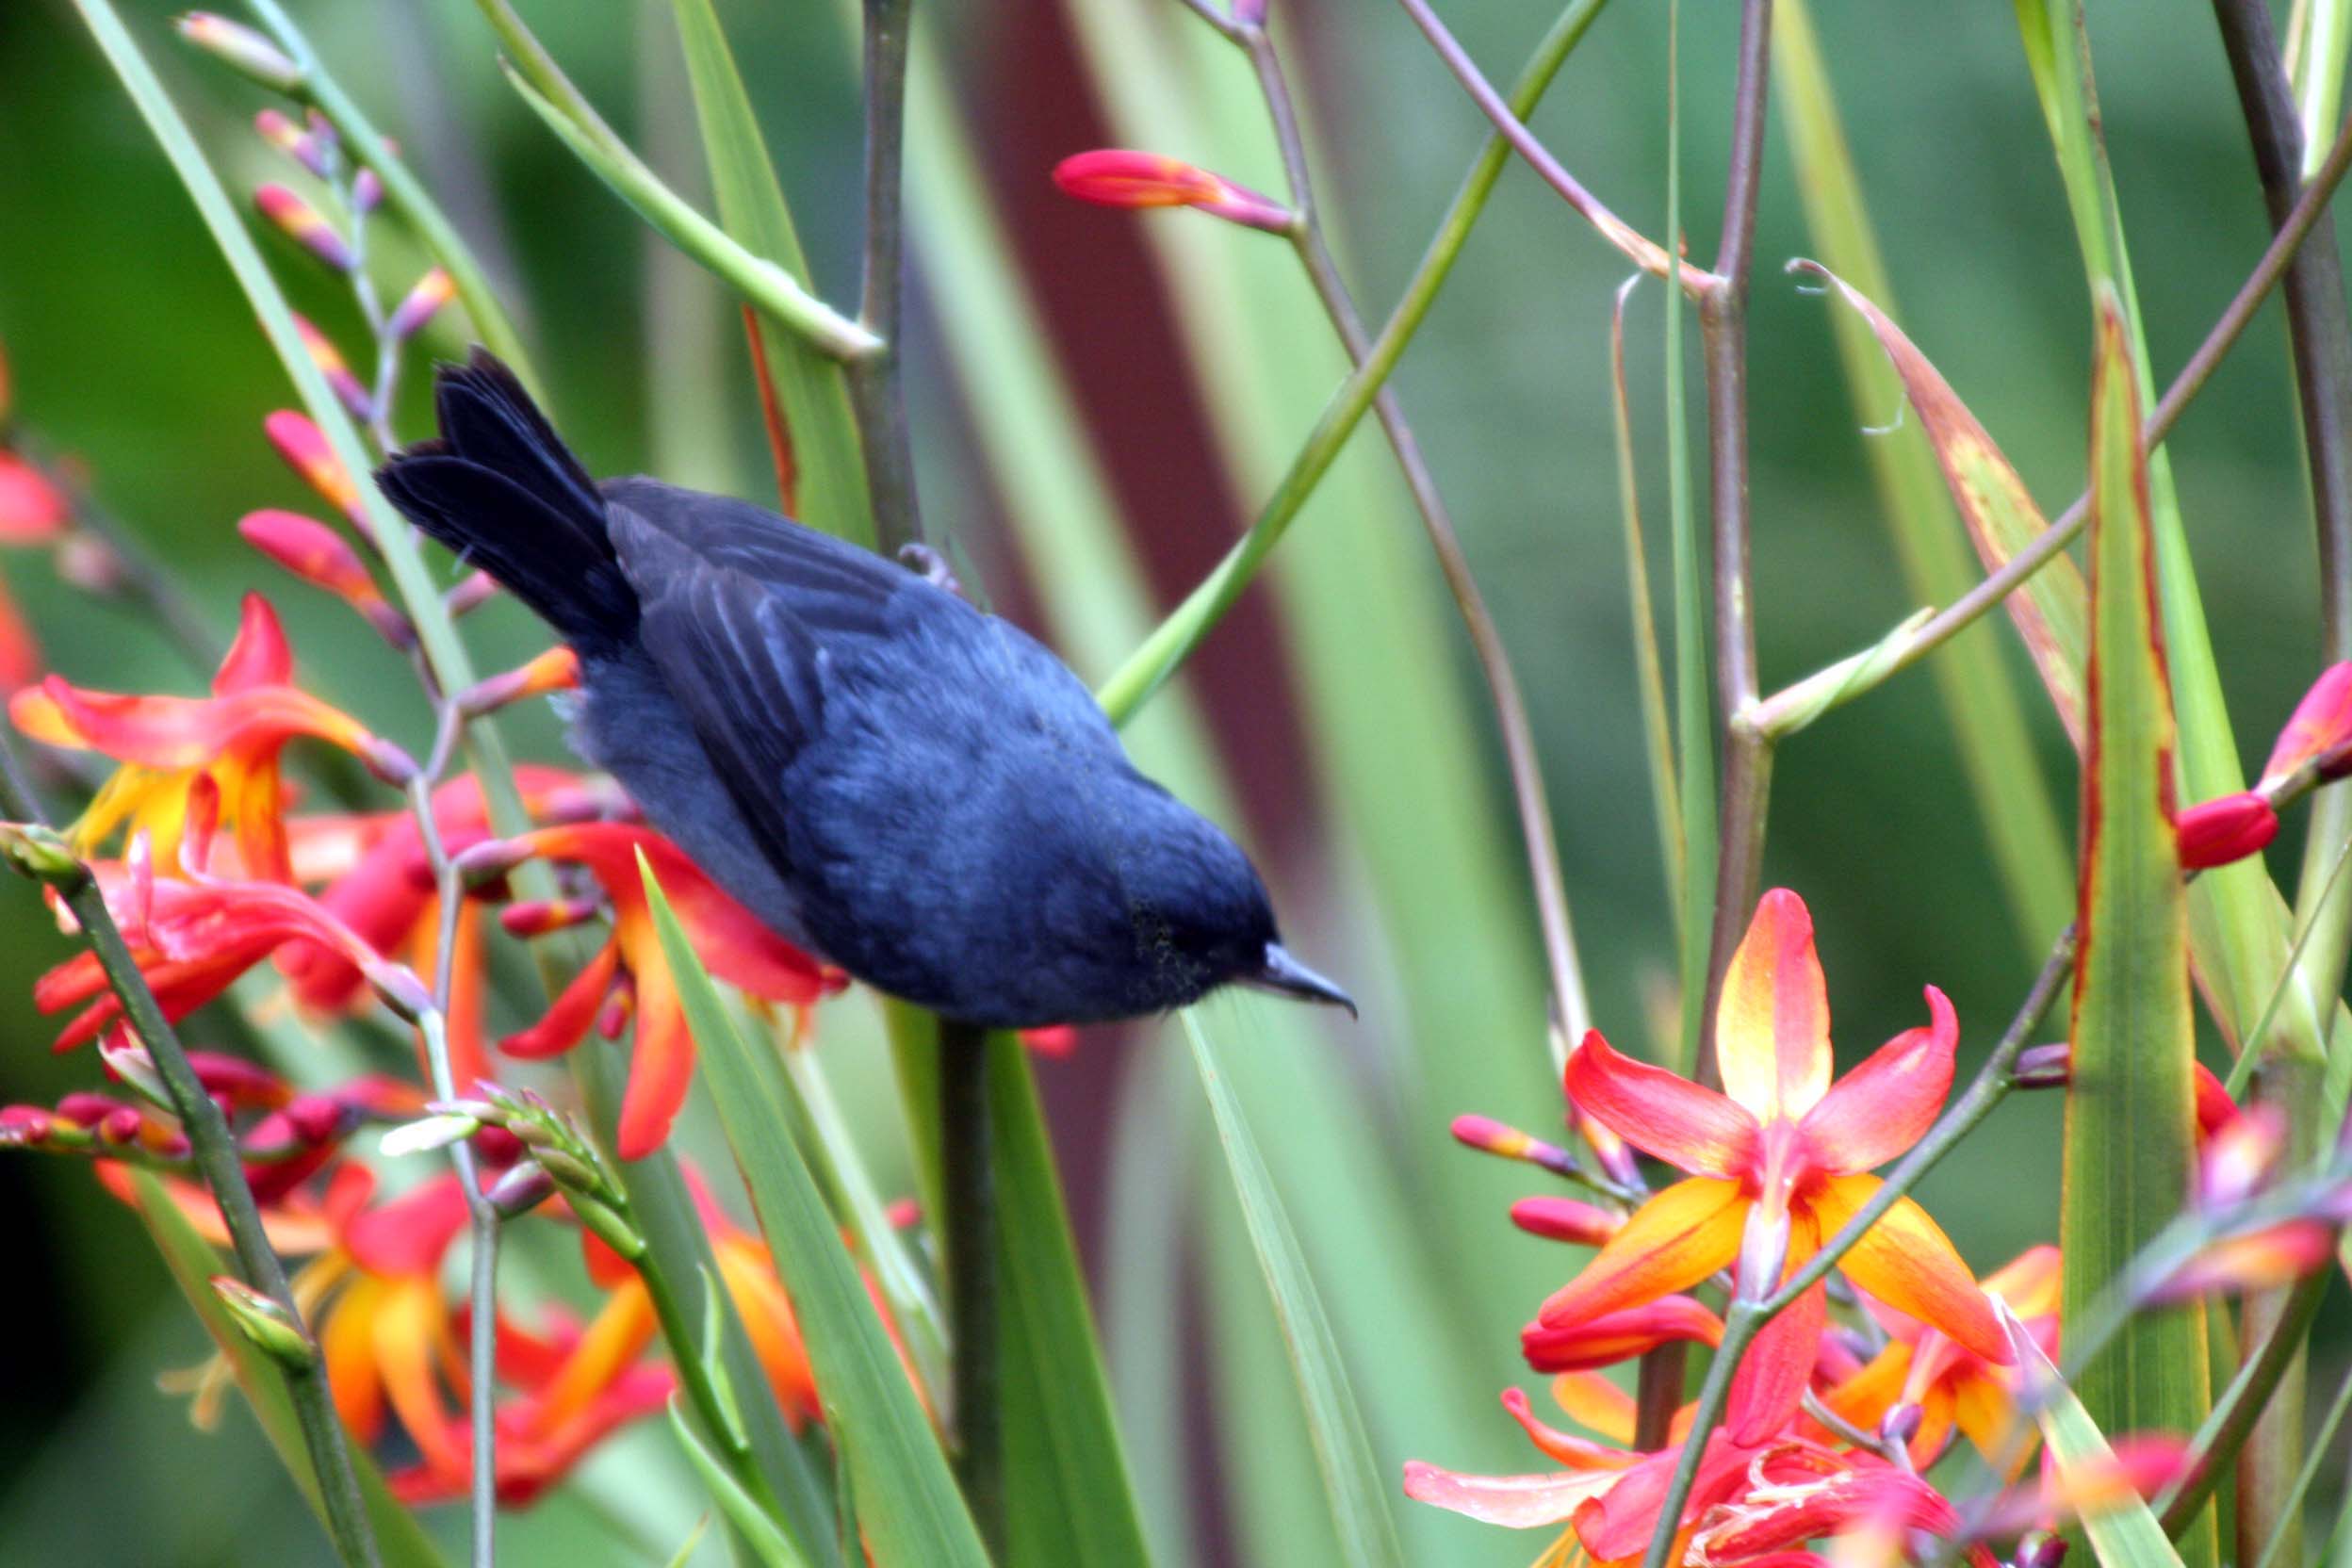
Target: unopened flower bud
304,448
556,670
539,917
487,861
2319,731
1901,1425
431,291
1249,13
306,226
1115,178
22,1126
127,1061
569,1170
2216,832
87,562
84,1108
387,761
242,49
904,1214
428,1134
2044,1067
266,1322
281,132
2239,1157
1565,1219
2040,1549
399,988
329,359
366,192
1489,1137
522,1189
40,852
2262,1260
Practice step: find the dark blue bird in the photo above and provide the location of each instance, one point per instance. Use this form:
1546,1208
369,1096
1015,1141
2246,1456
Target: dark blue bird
912,789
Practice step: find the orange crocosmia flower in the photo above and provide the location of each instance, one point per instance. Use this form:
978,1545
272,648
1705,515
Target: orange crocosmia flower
1952,1386
233,738
1780,1161
729,939
192,940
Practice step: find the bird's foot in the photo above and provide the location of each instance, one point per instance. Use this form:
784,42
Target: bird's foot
932,565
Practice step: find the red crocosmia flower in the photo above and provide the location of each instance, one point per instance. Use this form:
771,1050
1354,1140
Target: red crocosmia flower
374,876
233,738
729,940
1777,1162
1114,177
1952,1385
2321,727
1616,1336
192,938
2216,832
1803,1493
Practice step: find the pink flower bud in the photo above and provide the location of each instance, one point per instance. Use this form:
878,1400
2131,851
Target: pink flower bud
556,670
904,1215
539,917
85,1108
1249,13
304,448
1115,178
301,222
431,291
2320,729
291,139
2216,832
477,589
2044,1067
521,1189
366,192
24,1124
489,860
242,50
329,359
1565,1219
2263,1260
310,549
1490,1136
387,761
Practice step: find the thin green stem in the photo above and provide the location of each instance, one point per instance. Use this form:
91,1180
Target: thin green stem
215,1152
1746,1319
1172,641
1525,765
2244,1407
1656,727
968,1179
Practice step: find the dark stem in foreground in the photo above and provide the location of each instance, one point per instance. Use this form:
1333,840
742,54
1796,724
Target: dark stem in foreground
877,391
967,1191
216,1158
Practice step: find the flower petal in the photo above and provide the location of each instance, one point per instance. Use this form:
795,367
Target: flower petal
662,1062
1576,1453
1771,1027
1653,1110
1517,1502
568,1016
1670,1242
1887,1103
1596,1404
1616,1336
1769,1388
1906,1262
260,656
1619,1525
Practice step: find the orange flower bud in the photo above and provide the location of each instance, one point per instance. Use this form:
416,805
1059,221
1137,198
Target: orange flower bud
2216,832
1114,177
301,222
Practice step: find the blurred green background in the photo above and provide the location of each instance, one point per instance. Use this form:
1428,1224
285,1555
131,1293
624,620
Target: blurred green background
1341,700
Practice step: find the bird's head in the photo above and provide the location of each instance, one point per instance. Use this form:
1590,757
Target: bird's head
1202,918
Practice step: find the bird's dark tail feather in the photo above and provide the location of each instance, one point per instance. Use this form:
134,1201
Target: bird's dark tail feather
501,489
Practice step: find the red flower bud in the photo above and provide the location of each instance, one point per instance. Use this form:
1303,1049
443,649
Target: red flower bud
32,510
1114,177
291,139
1565,1219
2321,728
304,448
2216,832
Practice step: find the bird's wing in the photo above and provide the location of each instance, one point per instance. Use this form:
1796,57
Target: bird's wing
742,654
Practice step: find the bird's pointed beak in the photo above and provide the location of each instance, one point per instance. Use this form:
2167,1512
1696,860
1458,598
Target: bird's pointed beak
1285,976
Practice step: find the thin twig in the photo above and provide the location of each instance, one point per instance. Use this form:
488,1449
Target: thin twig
2013,573
1746,1319
215,1156
1723,335
1644,252
1510,711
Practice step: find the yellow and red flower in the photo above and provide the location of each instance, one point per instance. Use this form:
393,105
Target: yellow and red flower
630,970
1952,1386
1778,1161
233,738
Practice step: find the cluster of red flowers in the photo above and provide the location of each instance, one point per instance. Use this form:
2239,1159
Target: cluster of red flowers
1833,1417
